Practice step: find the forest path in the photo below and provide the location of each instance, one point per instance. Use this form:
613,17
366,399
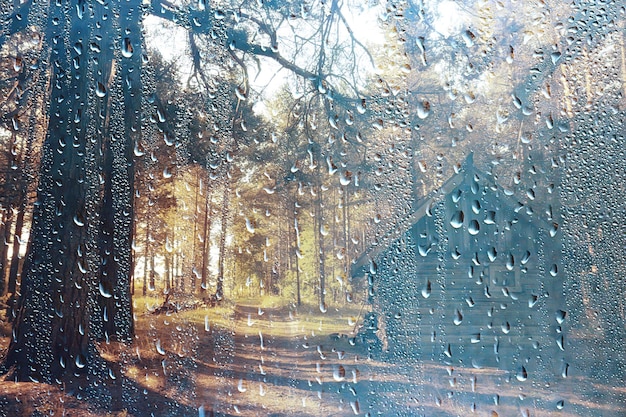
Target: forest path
278,365
253,361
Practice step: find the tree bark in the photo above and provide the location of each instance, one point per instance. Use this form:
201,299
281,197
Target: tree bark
52,325
59,312
219,292
206,241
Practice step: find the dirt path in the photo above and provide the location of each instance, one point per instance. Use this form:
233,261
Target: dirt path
278,362
276,368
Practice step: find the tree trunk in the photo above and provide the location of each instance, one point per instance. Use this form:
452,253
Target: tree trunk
7,223
17,245
319,216
58,312
168,271
194,239
5,237
219,292
52,327
152,285
297,259
206,241
146,255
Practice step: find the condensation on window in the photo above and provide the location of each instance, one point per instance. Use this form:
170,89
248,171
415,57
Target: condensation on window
312,208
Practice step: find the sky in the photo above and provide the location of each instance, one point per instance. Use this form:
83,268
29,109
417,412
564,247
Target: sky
172,42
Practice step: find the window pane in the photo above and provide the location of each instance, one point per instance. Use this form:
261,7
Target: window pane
312,208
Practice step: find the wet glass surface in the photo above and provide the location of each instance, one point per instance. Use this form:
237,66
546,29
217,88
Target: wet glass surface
312,208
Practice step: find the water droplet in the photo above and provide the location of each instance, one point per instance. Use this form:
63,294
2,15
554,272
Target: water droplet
241,387
554,270
510,262
161,116
80,361
169,140
101,90
138,150
522,375
457,219
373,267
506,327
427,289
78,48
468,38
159,349
458,317
476,206
249,226
104,292
423,109
492,254
345,178
361,107
474,227
339,373
456,196
78,220
82,267
127,48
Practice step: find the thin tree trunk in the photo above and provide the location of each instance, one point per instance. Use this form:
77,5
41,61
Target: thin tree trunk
194,238
4,246
146,255
297,258
206,241
152,272
168,271
319,216
219,292
17,245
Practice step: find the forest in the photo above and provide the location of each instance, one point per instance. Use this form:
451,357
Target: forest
189,185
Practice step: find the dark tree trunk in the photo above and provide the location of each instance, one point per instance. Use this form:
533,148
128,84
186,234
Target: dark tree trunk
52,324
26,177
58,312
118,173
